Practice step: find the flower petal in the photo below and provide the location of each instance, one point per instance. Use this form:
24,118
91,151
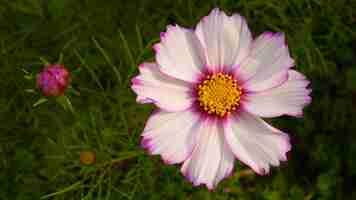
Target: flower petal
171,135
168,93
267,65
211,160
288,98
256,143
180,54
226,40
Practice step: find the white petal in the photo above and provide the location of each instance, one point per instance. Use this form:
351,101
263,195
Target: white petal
211,160
226,40
256,143
180,54
288,98
168,93
267,64
171,135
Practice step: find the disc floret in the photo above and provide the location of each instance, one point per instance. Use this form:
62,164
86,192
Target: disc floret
219,94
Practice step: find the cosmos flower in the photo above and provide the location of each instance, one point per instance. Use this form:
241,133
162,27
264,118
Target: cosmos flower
53,80
213,85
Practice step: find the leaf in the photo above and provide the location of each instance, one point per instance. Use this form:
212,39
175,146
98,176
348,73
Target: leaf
60,59
351,79
28,77
65,103
67,189
56,8
29,7
44,61
30,90
107,59
39,102
326,183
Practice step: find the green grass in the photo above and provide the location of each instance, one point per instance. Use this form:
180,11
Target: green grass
40,146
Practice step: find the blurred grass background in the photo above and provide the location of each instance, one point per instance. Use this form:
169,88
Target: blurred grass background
107,39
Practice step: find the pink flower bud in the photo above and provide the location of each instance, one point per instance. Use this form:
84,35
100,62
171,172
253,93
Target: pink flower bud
53,80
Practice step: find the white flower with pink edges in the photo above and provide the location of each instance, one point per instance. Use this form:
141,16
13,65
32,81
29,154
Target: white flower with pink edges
213,85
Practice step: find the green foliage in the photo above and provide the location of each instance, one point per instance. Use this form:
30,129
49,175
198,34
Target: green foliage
102,42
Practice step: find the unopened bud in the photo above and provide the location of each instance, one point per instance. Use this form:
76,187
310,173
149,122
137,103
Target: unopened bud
87,157
53,80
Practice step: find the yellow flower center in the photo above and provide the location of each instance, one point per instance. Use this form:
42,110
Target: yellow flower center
219,94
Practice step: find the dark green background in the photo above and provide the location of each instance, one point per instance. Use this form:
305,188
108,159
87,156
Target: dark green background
106,40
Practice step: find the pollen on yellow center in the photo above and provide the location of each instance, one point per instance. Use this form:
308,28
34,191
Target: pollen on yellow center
219,94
